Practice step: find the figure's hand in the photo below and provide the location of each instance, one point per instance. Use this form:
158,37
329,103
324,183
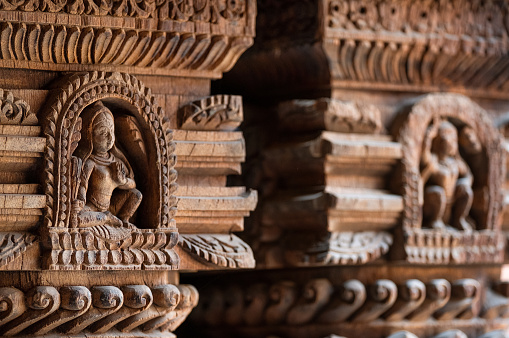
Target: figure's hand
119,171
112,219
77,205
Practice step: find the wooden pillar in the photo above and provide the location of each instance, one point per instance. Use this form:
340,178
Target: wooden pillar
373,137
113,163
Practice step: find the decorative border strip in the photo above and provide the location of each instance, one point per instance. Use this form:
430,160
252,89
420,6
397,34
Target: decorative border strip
145,50
70,310
320,302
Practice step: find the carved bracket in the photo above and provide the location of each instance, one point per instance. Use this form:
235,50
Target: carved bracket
219,112
223,250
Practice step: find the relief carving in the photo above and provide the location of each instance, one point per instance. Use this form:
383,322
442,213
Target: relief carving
372,45
446,177
21,203
224,250
107,197
133,310
382,302
219,112
14,110
13,244
452,169
110,177
318,306
213,11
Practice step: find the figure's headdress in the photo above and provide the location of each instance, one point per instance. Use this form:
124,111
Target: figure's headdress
86,146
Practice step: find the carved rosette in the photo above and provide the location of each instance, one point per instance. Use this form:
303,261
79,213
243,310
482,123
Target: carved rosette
485,243
79,248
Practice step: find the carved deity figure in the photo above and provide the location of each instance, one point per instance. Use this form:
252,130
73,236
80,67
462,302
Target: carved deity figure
446,177
106,194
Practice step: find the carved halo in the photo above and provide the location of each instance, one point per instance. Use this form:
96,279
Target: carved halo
62,130
412,134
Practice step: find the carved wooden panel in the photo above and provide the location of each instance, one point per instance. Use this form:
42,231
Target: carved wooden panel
387,45
471,234
170,37
209,149
326,199
72,310
338,188
380,210
88,173
82,229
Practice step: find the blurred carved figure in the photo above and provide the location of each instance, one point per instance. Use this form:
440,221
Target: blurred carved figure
446,178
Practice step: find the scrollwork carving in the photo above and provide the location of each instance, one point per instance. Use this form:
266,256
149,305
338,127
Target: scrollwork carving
137,298
12,303
74,301
337,248
348,305
166,299
348,299
438,293
77,309
105,301
281,298
13,244
42,301
411,295
383,295
219,112
315,296
14,110
227,251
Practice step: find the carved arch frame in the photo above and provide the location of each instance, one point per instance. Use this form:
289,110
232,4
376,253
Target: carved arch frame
436,246
62,117
412,135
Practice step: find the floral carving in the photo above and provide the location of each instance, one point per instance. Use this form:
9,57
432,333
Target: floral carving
424,16
181,10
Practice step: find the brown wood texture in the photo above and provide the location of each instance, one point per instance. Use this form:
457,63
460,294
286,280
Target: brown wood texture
97,101
374,137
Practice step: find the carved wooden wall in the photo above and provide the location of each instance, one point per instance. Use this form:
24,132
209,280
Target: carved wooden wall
114,156
374,133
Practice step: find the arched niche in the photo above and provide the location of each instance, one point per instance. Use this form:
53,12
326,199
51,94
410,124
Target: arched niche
411,129
148,148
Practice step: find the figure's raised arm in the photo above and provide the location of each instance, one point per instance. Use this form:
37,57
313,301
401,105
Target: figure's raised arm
426,155
427,158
